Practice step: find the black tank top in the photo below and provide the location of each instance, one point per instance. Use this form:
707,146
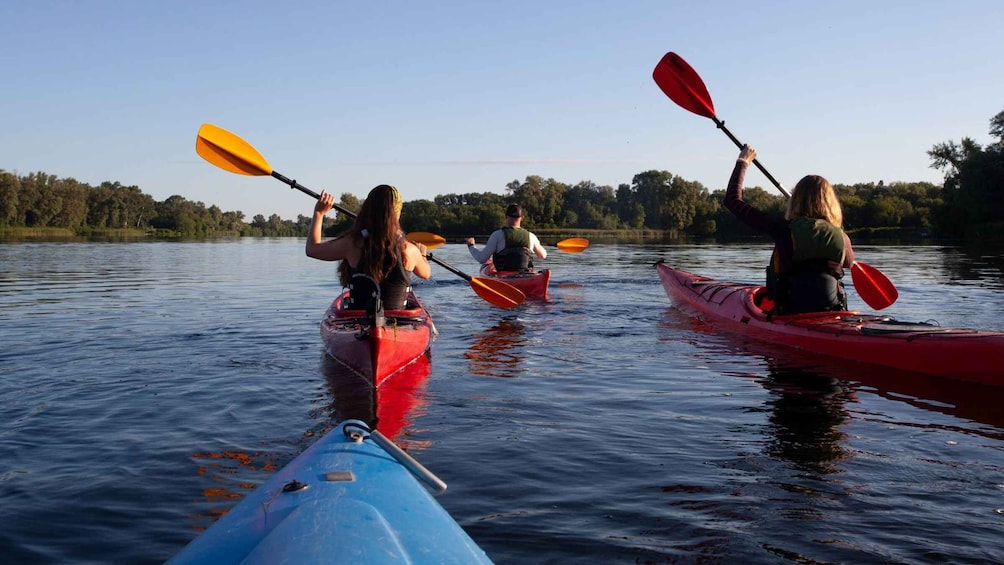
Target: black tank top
394,288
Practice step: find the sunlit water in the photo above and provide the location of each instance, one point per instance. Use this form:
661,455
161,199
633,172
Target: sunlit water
146,387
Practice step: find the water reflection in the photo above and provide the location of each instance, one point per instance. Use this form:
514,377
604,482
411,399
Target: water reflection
389,408
496,352
785,366
806,413
219,468
976,263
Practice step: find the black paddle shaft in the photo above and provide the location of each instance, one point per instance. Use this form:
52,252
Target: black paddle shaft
739,144
305,190
448,267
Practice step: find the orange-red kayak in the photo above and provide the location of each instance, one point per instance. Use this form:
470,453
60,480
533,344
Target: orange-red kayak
534,284
963,354
375,348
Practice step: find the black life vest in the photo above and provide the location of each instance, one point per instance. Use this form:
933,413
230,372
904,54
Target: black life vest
392,291
516,256
812,282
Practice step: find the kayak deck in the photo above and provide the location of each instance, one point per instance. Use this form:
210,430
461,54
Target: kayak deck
346,499
964,354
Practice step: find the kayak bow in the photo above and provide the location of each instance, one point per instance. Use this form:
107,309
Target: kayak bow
349,498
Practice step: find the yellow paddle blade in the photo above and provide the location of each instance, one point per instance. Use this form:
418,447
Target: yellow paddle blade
573,245
229,152
498,293
429,240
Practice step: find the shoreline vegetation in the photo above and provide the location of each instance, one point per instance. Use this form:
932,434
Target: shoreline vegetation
655,205
878,235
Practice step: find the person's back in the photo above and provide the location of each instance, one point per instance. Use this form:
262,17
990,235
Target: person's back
810,246
511,248
392,290
812,280
376,258
516,254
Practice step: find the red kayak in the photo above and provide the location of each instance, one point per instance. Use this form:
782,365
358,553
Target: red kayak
532,283
377,347
963,354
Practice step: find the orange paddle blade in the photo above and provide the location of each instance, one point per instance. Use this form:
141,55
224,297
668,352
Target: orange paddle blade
873,286
429,240
498,293
229,152
573,245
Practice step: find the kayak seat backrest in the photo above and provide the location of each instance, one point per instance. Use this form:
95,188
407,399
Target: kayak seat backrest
364,293
413,310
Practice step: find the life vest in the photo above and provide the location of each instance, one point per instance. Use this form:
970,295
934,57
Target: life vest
516,255
391,292
811,283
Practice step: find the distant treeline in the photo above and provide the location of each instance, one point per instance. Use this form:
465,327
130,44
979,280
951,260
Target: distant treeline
969,204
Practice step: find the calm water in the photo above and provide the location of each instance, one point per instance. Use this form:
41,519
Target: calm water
146,387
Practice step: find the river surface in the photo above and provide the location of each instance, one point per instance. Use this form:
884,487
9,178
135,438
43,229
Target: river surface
146,387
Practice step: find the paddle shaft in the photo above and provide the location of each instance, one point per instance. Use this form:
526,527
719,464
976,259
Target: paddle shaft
448,267
739,144
305,190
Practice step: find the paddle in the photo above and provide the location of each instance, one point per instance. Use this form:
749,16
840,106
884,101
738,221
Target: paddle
573,245
681,83
431,241
231,153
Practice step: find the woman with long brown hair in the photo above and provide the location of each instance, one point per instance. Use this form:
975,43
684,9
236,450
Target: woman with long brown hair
811,248
373,249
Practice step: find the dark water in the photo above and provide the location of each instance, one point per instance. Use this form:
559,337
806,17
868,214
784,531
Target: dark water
145,387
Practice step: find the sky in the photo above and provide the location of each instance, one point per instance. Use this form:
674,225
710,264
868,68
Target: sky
443,97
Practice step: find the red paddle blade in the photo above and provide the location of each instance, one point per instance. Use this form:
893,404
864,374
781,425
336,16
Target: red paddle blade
683,85
873,286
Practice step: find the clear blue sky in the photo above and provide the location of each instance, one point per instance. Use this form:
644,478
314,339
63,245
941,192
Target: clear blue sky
459,96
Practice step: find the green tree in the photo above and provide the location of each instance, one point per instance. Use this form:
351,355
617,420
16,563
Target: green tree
10,186
421,215
974,181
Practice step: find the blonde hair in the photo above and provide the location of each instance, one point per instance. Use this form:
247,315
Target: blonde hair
814,197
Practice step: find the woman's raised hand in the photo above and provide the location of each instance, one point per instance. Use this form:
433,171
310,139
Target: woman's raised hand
324,203
747,154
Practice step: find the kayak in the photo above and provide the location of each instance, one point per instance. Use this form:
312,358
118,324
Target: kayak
956,353
352,497
532,283
376,346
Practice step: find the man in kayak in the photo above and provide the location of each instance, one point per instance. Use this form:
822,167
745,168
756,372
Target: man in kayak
810,246
511,248
373,252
